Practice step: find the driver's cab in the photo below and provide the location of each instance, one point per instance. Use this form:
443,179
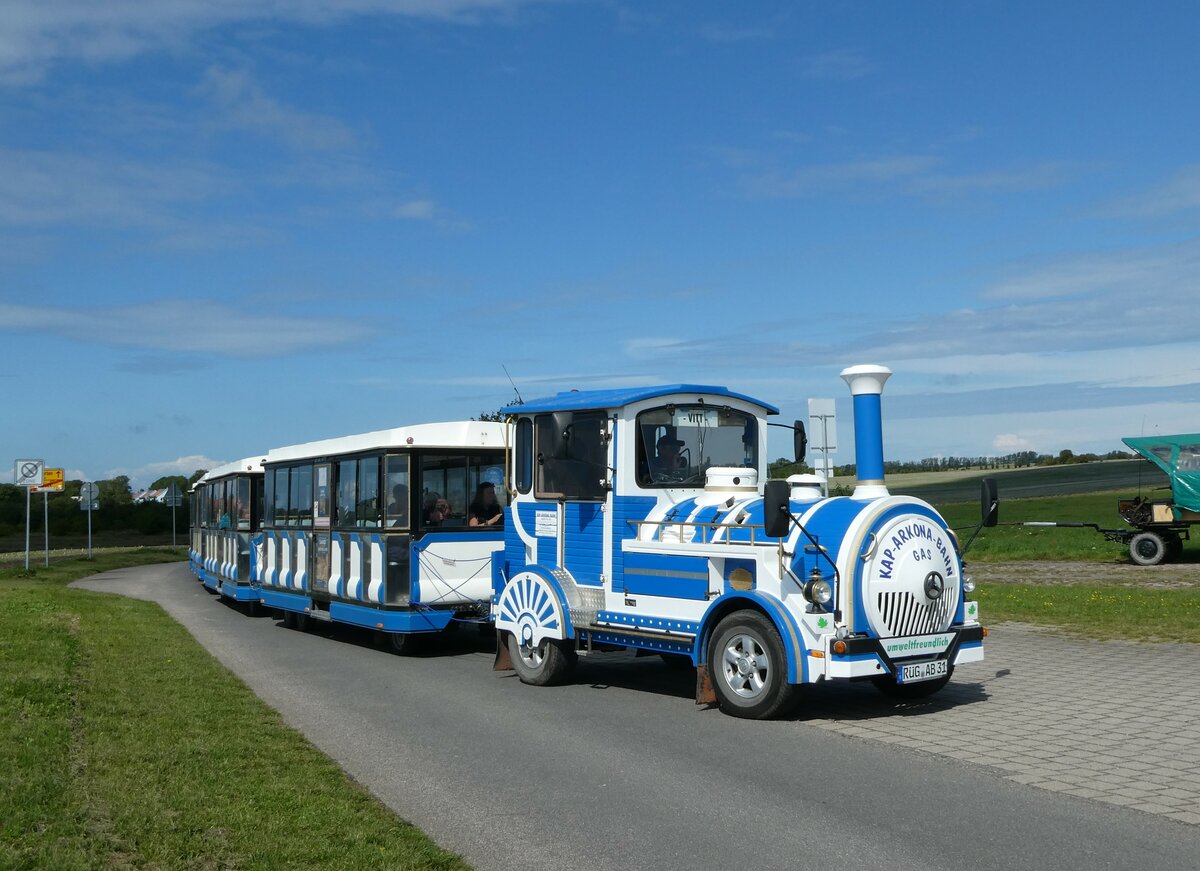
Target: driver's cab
592,471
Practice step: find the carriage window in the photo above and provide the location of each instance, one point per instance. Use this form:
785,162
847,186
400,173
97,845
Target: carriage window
572,448
321,504
301,507
269,498
347,476
281,496
368,492
449,484
396,491
524,454
678,444
243,503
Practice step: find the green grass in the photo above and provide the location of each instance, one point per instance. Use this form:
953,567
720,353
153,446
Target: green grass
124,744
1136,613
1013,542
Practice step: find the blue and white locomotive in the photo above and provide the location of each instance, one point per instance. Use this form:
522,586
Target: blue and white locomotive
639,518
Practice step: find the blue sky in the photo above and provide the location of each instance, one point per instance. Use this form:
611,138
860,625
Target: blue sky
228,225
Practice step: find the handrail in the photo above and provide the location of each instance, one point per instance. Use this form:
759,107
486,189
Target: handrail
702,525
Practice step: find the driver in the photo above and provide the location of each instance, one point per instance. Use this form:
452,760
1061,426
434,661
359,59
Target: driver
668,461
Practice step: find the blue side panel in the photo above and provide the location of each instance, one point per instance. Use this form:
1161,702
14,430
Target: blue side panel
286,601
389,621
584,541
547,546
625,510
239,592
652,574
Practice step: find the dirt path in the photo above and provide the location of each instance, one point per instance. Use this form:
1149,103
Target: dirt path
1118,574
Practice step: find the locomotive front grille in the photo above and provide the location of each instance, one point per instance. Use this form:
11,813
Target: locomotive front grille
906,614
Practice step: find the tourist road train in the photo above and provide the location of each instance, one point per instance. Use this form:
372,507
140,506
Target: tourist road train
636,518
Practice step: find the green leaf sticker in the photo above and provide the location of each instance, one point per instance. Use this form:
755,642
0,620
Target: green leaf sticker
971,610
822,623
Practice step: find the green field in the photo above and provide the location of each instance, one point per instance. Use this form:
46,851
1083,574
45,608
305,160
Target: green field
124,744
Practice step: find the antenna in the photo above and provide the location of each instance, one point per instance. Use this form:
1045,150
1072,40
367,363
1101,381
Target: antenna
520,401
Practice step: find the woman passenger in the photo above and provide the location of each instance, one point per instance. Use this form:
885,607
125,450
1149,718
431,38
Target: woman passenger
485,509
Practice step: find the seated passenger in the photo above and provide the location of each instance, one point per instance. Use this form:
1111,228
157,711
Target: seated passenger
436,510
397,510
485,510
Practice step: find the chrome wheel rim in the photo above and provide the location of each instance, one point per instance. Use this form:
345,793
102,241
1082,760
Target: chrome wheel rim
532,655
746,666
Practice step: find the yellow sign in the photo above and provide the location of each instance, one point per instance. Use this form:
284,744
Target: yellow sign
52,482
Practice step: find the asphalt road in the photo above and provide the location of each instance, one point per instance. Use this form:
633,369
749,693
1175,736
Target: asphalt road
621,770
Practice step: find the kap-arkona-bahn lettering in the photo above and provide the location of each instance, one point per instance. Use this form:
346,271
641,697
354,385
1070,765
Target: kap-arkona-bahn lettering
594,521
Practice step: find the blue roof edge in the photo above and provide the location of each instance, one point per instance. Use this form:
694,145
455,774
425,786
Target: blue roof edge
577,400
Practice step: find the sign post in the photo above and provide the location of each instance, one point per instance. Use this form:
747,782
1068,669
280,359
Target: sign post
52,482
87,502
174,498
822,424
28,474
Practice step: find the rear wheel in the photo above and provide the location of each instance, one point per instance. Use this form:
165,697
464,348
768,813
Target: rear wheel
401,642
544,664
1147,549
748,667
886,684
1174,547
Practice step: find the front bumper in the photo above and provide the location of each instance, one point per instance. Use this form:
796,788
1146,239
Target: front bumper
869,657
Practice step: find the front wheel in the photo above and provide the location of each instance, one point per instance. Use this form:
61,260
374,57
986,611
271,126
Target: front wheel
541,665
1147,549
748,667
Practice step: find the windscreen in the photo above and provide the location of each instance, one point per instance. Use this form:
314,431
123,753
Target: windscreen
678,444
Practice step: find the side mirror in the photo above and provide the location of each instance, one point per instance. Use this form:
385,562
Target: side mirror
799,441
777,517
989,503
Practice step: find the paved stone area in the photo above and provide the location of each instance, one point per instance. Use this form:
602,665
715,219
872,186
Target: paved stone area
1111,721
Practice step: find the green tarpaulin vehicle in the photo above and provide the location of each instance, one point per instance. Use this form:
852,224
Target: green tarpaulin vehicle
1158,527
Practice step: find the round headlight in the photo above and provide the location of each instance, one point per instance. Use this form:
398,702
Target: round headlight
968,584
818,592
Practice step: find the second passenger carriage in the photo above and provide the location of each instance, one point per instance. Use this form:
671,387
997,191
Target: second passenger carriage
375,529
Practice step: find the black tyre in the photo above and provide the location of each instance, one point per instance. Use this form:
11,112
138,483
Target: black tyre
1147,549
886,684
1174,547
748,667
545,664
289,619
401,642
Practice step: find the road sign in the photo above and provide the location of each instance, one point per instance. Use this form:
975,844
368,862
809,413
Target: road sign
92,505
822,425
28,473
52,481
88,491
174,496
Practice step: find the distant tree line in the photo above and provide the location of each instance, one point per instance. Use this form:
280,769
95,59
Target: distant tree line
117,511
783,467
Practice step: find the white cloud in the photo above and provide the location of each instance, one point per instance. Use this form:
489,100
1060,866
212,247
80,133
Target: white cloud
242,104
143,476
1008,443
1176,194
429,211
35,35
842,64
183,326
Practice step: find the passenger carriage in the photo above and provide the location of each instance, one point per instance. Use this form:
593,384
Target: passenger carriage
373,530
226,517
639,520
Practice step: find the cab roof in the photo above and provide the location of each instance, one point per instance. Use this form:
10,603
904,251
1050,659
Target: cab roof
578,400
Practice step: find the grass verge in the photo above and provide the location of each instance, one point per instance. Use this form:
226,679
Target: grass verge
1134,613
124,744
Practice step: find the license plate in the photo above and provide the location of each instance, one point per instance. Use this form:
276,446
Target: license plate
918,671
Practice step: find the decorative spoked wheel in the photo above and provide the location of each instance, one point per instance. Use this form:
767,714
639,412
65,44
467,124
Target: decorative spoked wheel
544,664
886,684
1148,549
749,668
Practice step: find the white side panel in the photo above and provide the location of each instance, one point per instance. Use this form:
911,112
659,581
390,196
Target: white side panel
454,572
285,559
335,564
300,577
354,582
375,587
